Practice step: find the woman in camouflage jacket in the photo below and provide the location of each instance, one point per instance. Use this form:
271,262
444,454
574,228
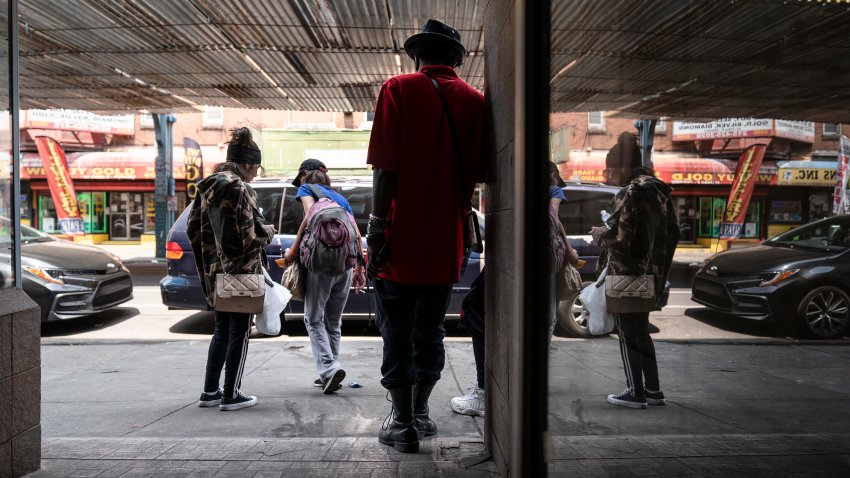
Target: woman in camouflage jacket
640,238
227,233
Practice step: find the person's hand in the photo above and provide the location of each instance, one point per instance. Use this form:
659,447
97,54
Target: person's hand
270,230
358,280
572,257
597,233
289,257
378,254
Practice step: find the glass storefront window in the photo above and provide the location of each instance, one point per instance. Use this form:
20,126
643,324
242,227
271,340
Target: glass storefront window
98,212
93,210
752,222
47,214
686,209
711,211
126,215
710,216
150,213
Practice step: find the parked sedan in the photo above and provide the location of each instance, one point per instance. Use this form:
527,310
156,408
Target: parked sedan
799,279
66,279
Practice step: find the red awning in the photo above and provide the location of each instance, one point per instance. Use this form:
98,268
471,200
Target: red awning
117,165
670,169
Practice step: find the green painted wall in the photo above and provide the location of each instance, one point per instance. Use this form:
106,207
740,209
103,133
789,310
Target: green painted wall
284,150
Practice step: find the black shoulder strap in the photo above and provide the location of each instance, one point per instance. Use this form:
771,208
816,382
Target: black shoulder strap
455,143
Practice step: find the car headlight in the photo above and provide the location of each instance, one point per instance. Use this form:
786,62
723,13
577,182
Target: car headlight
772,278
49,275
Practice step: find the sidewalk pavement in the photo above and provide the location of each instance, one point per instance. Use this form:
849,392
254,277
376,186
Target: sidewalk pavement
734,409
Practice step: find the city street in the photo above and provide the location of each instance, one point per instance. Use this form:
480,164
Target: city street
145,318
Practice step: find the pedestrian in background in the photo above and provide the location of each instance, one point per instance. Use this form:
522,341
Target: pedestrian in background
227,234
472,316
562,249
324,295
640,237
473,307
415,240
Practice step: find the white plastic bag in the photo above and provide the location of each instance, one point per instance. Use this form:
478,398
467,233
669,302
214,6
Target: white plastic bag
599,321
276,298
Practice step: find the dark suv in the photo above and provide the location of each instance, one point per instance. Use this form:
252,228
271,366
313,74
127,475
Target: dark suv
276,197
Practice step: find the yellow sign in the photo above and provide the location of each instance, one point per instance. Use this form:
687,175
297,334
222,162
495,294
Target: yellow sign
806,177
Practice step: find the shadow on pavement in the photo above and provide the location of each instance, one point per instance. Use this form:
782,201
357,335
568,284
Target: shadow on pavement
198,323
294,327
107,318
731,323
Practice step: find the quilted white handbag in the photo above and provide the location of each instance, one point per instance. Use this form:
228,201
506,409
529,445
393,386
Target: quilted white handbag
239,293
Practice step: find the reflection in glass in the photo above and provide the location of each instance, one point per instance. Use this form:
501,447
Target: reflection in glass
6,232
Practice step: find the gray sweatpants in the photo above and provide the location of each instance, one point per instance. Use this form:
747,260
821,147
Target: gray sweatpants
324,299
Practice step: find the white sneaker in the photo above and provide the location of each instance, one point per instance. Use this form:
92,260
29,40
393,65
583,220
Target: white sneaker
470,404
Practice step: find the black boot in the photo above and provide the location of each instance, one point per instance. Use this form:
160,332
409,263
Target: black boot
401,432
424,424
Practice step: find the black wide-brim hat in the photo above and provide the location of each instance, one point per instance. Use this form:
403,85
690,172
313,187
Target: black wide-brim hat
436,33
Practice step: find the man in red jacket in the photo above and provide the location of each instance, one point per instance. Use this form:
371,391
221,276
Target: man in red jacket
426,159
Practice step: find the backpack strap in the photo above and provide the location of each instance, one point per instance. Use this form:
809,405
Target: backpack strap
317,191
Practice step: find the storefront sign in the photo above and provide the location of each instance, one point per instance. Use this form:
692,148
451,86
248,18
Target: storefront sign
806,177
797,130
701,171
194,164
685,177
61,185
840,199
78,121
744,128
742,191
723,128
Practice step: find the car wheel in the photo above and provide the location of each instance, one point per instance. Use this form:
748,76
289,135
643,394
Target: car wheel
825,312
572,317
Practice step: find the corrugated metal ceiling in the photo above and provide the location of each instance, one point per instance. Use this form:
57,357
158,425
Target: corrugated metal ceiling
697,58
169,55
680,58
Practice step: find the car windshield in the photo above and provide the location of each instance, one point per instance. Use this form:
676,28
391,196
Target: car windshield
28,234
581,211
280,208
829,235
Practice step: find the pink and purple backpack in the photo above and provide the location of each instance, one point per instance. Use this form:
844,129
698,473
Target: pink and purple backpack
330,245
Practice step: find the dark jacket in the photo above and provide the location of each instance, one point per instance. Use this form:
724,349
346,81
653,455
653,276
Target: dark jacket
225,229
644,230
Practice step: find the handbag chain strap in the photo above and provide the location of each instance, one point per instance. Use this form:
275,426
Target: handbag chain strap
455,143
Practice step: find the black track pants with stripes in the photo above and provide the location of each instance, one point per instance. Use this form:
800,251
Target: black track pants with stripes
638,352
228,348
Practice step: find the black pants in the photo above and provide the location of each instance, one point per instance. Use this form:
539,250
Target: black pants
411,320
472,318
638,352
228,346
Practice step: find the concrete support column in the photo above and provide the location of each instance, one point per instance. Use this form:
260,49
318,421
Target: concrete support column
20,384
516,76
533,296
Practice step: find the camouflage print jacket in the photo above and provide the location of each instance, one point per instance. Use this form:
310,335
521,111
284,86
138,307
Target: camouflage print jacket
642,218
225,229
